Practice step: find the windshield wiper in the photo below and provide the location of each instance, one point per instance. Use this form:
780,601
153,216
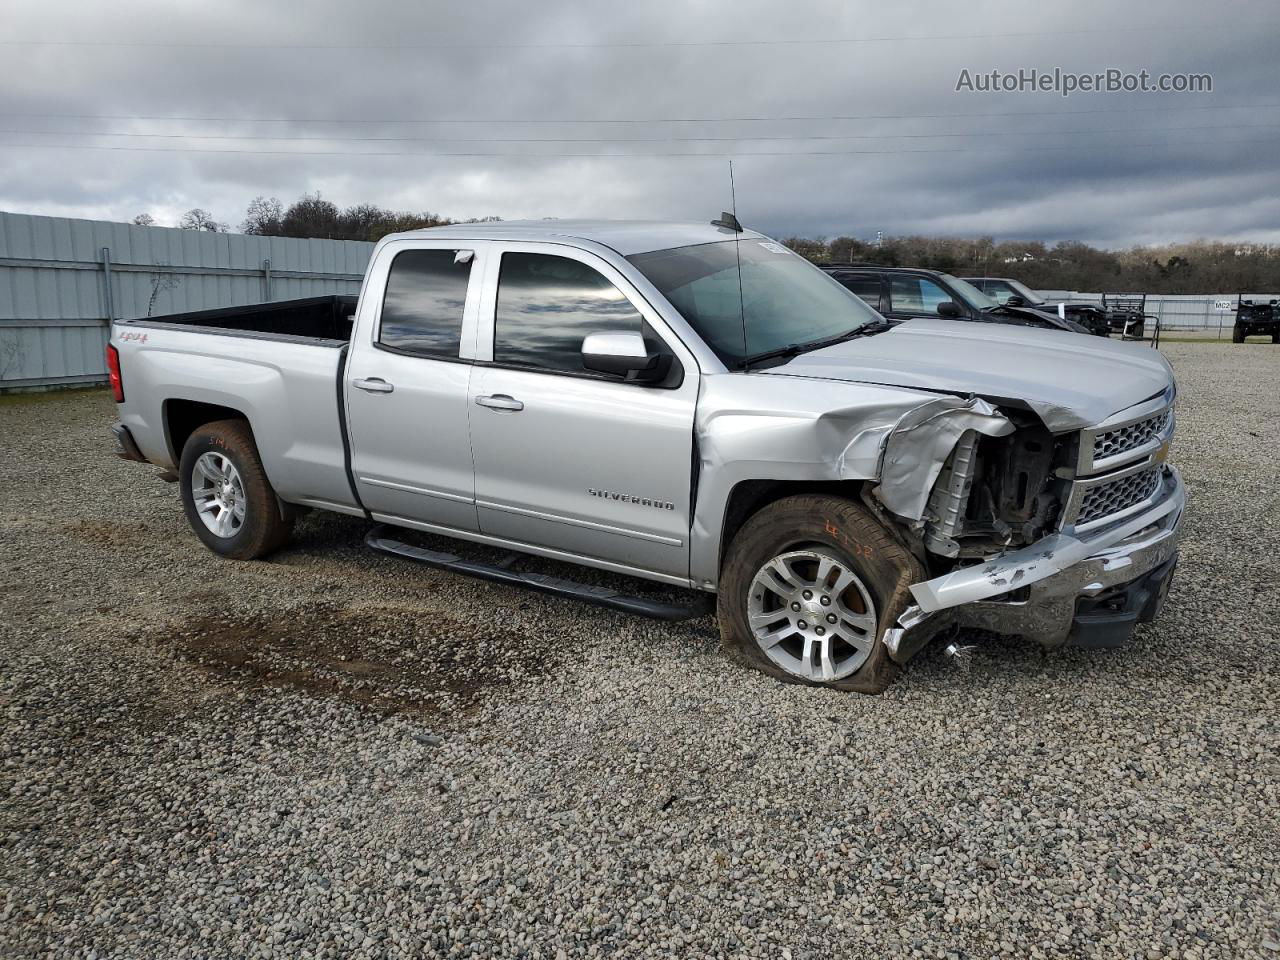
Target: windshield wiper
795,349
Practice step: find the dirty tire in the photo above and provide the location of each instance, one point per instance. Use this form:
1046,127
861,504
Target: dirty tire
838,524
264,529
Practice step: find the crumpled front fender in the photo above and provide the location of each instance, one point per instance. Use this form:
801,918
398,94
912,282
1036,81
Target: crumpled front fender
813,430
920,443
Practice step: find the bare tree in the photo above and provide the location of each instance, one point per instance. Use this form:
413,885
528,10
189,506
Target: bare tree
313,216
264,218
144,220
198,219
161,282
11,354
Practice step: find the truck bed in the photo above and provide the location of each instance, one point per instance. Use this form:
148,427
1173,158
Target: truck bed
278,365
312,318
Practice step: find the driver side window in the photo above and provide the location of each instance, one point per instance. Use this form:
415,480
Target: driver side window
916,295
997,291
547,305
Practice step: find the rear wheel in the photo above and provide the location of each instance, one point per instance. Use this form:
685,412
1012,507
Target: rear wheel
226,495
809,586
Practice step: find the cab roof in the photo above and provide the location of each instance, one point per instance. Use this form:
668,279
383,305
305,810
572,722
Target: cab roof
627,237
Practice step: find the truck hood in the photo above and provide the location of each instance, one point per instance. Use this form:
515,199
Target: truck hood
1069,381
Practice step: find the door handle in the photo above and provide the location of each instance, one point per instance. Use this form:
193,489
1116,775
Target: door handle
500,401
373,385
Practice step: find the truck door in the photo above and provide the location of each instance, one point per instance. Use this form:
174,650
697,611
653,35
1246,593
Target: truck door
569,459
407,379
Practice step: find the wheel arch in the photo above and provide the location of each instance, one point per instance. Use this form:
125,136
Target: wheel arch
749,497
184,417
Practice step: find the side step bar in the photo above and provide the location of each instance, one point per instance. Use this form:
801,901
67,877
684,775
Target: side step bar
502,573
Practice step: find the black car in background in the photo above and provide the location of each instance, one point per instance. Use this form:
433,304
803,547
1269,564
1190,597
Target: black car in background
901,293
1255,318
1012,293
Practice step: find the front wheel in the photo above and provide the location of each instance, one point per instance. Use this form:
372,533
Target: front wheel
808,589
226,495
1237,335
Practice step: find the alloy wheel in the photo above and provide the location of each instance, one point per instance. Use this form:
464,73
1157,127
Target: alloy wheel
811,614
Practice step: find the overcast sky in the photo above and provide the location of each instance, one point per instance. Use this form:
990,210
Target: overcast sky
337,80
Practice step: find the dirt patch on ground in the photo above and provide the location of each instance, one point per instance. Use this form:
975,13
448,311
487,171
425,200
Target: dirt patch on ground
397,662
110,533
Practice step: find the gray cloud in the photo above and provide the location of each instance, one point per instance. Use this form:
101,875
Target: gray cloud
1136,174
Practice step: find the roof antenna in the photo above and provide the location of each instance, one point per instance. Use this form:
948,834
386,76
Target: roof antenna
729,221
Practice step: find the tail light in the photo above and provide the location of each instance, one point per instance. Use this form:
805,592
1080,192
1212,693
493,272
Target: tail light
113,373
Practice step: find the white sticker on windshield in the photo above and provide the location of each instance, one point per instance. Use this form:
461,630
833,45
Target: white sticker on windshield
774,247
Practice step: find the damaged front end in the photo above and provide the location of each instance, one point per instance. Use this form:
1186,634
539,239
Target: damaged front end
977,483
1067,537
1026,523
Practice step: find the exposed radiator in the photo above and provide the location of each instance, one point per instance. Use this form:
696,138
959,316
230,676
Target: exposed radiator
945,511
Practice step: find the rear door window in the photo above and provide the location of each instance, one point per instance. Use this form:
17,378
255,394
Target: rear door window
423,305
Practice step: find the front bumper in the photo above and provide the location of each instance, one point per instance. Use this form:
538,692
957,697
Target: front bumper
1089,590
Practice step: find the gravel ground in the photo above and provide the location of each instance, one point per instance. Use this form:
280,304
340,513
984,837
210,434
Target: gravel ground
335,754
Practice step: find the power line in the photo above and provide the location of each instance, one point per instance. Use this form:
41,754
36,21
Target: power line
782,119
716,154
1234,27
716,139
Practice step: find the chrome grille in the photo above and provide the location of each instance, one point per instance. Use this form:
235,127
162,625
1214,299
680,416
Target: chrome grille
1112,497
1112,443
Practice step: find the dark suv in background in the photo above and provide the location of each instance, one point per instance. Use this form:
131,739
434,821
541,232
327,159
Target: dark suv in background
1256,318
901,293
1012,293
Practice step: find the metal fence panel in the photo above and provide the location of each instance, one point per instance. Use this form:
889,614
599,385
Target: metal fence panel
60,279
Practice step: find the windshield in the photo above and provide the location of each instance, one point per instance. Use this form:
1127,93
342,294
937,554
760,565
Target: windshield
969,293
782,300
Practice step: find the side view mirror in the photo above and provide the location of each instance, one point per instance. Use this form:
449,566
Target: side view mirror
949,309
624,355
1013,300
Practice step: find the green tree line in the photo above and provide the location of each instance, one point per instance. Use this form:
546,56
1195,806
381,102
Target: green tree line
1198,267
313,216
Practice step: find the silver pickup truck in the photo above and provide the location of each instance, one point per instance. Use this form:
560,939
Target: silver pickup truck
691,404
